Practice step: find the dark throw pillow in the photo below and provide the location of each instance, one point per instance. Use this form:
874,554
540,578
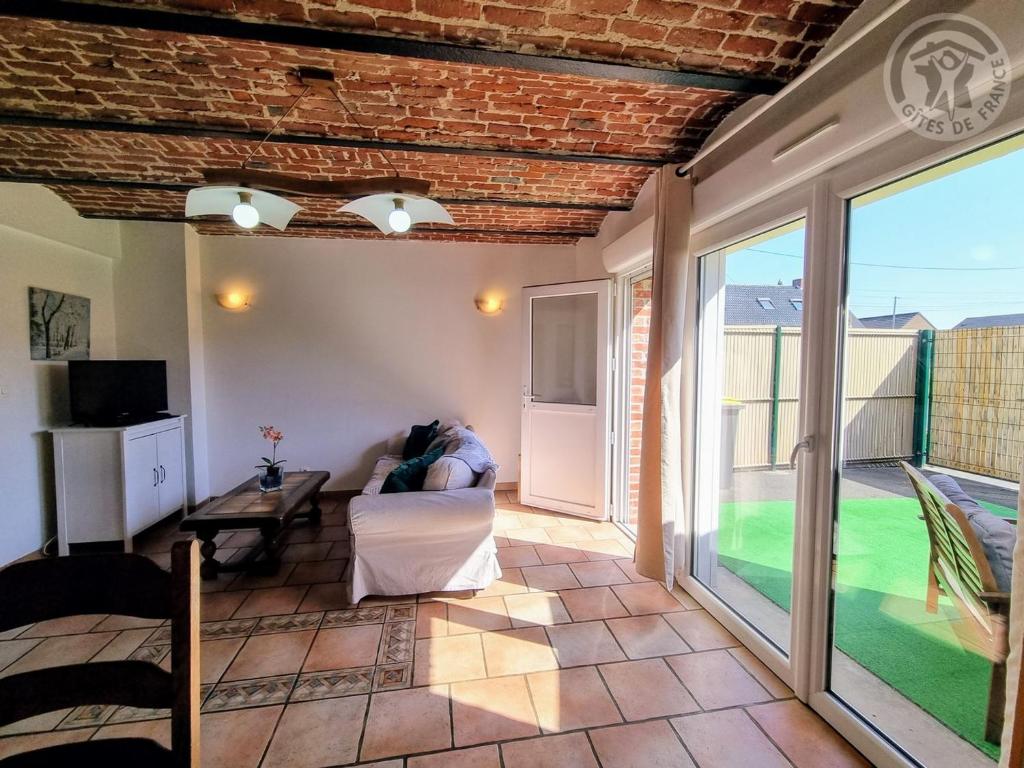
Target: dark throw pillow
409,475
420,438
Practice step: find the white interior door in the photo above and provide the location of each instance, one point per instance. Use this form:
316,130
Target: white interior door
567,362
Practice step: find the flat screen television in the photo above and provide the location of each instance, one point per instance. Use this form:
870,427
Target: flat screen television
117,392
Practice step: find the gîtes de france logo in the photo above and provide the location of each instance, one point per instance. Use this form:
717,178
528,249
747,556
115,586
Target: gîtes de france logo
947,76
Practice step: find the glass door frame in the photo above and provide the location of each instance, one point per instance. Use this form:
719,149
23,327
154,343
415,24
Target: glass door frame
823,201
621,381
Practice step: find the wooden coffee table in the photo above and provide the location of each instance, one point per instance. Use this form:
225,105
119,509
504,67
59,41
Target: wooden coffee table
245,507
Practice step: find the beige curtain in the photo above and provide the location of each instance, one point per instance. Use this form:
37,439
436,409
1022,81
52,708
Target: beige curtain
666,424
1013,663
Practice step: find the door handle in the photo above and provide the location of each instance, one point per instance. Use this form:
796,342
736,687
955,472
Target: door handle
163,473
156,477
807,444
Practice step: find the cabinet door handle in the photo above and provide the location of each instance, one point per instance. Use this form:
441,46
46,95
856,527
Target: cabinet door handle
156,477
163,473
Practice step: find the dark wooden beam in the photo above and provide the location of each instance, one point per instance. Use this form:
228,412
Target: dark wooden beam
126,16
196,132
71,181
352,227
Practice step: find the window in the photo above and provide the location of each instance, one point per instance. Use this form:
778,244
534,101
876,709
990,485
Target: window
766,303
798,304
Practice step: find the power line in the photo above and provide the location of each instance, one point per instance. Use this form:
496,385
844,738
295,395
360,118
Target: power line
899,266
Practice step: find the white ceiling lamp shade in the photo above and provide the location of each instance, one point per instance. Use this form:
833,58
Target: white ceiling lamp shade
248,207
391,212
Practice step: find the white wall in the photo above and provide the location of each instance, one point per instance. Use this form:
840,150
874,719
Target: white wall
36,396
348,342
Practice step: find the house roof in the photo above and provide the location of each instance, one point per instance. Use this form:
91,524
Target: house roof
991,321
763,305
886,321
531,118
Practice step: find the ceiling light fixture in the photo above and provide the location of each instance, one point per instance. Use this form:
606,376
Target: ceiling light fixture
243,193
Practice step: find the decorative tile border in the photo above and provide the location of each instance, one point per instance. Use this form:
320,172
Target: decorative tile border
333,683
392,677
151,653
288,623
401,613
351,617
397,643
87,715
211,630
160,636
249,693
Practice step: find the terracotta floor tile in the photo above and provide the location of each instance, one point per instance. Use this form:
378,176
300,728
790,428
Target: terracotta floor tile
701,630
267,655
644,636
592,603
241,539
431,620
646,689
122,646
340,550
727,739
15,745
569,534
549,577
806,739
518,651
628,567
648,597
567,699
536,609
572,749
604,549
505,521
315,734
45,722
325,597
237,738
343,648
334,533
217,606
303,552
247,580
587,643
216,656
550,554
717,680
510,583
406,722
66,625
517,555
492,710
448,659
534,535
640,745
12,650
56,651
318,572
116,623
761,673
154,730
271,602
477,615
535,519
598,573
474,757
500,541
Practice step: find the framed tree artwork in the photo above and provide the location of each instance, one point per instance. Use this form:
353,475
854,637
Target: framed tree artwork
58,325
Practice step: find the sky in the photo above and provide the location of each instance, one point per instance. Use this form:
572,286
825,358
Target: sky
950,248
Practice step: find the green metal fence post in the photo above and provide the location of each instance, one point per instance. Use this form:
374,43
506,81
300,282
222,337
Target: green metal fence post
923,396
773,445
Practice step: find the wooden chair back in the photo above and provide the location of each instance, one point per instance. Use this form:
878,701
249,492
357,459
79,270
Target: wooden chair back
119,584
958,563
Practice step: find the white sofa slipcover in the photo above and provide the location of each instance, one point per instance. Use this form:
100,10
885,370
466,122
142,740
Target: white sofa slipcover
423,541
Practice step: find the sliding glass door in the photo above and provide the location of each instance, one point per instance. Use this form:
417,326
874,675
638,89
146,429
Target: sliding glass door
750,336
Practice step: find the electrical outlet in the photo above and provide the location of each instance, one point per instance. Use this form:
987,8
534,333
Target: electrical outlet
4,391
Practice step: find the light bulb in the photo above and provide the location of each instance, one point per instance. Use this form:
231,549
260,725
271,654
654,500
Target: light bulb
399,219
245,214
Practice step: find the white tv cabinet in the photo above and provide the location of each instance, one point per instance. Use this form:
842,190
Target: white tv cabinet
113,482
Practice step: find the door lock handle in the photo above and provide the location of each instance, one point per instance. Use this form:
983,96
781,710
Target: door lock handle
156,477
807,444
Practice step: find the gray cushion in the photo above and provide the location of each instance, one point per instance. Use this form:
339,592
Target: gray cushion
995,534
449,473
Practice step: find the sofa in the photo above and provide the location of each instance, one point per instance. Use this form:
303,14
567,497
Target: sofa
423,541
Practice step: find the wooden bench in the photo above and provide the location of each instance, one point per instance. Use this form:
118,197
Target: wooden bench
245,507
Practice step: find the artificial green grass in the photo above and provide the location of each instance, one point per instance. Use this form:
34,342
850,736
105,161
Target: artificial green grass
880,617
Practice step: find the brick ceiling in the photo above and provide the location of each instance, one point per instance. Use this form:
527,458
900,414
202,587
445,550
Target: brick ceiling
119,107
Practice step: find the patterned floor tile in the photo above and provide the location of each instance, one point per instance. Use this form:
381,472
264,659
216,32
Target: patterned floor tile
335,682
87,715
353,616
288,623
151,653
401,613
161,636
230,628
391,677
398,642
250,693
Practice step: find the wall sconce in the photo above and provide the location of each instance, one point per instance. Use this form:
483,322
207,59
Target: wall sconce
234,301
489,305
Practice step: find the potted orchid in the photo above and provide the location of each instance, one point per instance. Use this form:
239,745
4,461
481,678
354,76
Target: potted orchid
271,471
